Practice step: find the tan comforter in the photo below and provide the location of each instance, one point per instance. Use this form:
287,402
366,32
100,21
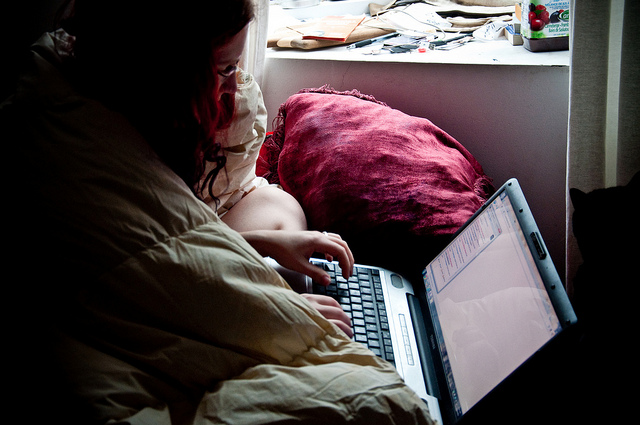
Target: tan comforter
162,314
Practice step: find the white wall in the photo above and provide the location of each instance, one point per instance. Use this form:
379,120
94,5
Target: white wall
513,119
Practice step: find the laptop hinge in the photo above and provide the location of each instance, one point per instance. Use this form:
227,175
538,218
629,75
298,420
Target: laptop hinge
424,347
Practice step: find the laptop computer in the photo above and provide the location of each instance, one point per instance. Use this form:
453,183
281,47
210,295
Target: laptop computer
483,306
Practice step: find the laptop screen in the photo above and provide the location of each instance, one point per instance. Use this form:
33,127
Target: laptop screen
488,304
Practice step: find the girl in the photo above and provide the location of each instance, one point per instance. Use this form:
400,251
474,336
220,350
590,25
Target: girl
176,81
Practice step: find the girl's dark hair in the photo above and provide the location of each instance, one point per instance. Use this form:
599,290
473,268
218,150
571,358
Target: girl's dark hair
153,61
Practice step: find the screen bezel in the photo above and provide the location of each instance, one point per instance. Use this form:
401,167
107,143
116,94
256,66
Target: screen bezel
553,284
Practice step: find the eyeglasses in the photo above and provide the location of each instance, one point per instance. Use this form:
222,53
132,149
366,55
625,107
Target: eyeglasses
228,71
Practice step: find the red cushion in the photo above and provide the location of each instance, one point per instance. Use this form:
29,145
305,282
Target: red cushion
358,166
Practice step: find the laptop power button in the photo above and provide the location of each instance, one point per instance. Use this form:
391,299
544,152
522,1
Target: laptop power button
396,281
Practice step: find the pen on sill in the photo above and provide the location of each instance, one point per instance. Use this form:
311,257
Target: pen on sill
439,43
370,41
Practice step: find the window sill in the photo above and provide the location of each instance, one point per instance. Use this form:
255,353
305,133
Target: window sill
498,52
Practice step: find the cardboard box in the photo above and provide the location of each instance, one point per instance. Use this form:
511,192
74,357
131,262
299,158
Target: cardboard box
514,37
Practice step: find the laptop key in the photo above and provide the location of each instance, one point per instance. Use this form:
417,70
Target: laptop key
361,297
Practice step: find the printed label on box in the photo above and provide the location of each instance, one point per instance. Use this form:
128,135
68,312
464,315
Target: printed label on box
544,19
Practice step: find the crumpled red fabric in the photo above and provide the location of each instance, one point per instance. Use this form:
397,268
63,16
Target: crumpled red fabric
370,172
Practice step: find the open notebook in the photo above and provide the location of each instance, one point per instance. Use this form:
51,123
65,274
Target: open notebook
487,303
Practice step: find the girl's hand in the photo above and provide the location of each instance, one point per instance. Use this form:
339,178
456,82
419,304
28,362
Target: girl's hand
331,310
293,249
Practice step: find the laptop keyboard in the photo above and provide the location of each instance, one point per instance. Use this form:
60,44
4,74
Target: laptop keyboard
362,299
